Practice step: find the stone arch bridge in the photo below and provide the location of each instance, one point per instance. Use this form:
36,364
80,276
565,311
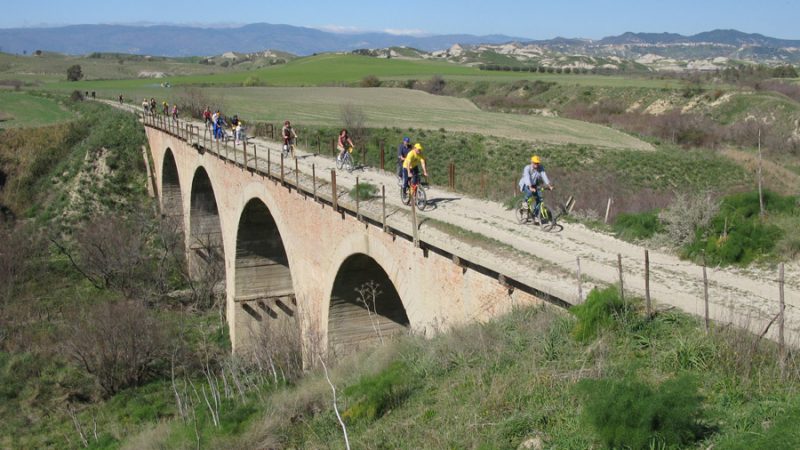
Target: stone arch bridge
293,254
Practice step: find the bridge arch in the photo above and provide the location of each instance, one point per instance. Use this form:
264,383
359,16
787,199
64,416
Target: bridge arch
205,241
171,197
263,277
364,305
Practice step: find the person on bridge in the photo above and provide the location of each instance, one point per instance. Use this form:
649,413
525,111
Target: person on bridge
289,137
207,116
533,177
411,166
175,112
402,152
165,108
152,106
343,144
145,106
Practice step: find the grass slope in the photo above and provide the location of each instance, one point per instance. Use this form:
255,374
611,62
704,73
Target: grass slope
26,110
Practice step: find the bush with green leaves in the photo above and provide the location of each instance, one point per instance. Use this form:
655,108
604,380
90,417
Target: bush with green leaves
628,413
375,395
632,226
600,311
364,191
737,234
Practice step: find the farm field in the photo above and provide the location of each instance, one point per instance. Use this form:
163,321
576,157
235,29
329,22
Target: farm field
402,108
20,109
52,68
338,69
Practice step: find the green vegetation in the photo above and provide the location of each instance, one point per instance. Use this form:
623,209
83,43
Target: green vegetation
601,311
27,110
628,413
632,226
364,191
737,235
642,383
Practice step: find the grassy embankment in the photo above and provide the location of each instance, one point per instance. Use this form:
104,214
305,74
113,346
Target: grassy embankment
20,109
537,374
64,184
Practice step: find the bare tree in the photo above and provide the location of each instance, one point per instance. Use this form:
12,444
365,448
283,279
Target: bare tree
119,343
355,120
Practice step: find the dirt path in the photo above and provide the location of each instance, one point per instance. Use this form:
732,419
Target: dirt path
547,261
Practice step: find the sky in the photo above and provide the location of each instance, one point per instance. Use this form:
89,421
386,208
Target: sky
534,19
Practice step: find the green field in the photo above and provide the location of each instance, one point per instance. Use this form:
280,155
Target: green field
52,68
403,108
338,69
21,109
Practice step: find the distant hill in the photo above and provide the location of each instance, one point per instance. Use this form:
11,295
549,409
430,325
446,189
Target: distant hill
723,37
167,40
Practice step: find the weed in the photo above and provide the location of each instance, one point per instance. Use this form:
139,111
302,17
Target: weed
600,311
632,226
364,191
376,395
630,414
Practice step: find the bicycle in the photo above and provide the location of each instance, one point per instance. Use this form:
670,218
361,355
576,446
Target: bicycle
418,192
288,147
544,217
346,161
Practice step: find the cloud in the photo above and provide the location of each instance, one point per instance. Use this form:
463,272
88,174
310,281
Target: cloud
406,32
341,29
345,29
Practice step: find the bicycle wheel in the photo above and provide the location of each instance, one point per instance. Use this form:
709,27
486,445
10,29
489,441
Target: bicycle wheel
421,199
340,162
348,162
404,196
523,213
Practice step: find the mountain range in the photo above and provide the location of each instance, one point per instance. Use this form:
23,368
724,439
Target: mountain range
175,40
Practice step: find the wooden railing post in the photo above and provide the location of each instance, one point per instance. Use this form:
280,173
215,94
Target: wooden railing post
383,205
296,176
314,180
282,182
255,153
358,206
334,197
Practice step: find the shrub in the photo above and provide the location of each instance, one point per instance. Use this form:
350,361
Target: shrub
630,414
252,81
600,311
370,81
736,235
120,344
687,214
365,191
76,96
74,72
376,395
637,226
435,85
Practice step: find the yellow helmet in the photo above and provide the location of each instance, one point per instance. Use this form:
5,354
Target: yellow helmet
418,146
536,160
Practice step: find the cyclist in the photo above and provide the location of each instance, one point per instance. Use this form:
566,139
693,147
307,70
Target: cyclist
402,152
344,143
289,137
207,117
411,166
533,177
